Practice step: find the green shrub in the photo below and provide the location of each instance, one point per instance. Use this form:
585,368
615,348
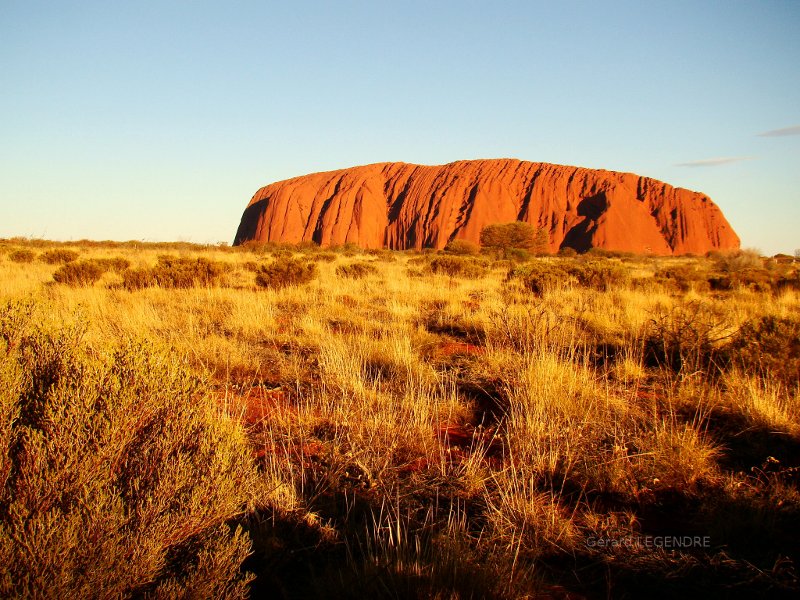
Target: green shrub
462,248
357,270
21,256
117,478
59,256
82,273
457,266
285,272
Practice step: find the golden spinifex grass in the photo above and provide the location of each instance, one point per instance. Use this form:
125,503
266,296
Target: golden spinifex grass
398,424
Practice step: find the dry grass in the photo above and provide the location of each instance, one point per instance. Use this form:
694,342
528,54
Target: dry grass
400,425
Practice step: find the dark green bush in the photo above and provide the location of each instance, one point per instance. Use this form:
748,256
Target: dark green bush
284,272
82,273
59,256
457,266
357,270
21,256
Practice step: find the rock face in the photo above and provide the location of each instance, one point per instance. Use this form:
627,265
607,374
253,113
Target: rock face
399,206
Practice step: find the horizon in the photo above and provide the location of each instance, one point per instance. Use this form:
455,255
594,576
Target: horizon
159,123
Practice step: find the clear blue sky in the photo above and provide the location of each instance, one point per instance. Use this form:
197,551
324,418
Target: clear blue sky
159,120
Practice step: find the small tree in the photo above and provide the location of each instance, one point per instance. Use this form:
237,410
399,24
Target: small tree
504,236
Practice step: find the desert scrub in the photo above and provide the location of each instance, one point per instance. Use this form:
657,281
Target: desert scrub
59,256
462,248
687,338
683,278
770,344
457,266
176,272
77,274
357,270
540,277
598,275
117,263
116,476
285,272
21,256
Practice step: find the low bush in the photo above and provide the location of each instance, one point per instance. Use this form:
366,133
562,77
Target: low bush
457,266
284,272
771,344
687,338
357,270
117,479
539,277
462,248
172,272
77,274
597,275
740,260
567,252
59,256
757,280
21,256
116,263
347,249
137,279
683,278
322,256
175,272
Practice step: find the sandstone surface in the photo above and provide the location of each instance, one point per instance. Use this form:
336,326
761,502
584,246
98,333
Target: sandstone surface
399,206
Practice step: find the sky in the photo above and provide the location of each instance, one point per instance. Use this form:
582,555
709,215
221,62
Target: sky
159,120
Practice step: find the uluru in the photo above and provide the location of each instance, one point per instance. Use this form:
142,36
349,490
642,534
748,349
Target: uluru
399,206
